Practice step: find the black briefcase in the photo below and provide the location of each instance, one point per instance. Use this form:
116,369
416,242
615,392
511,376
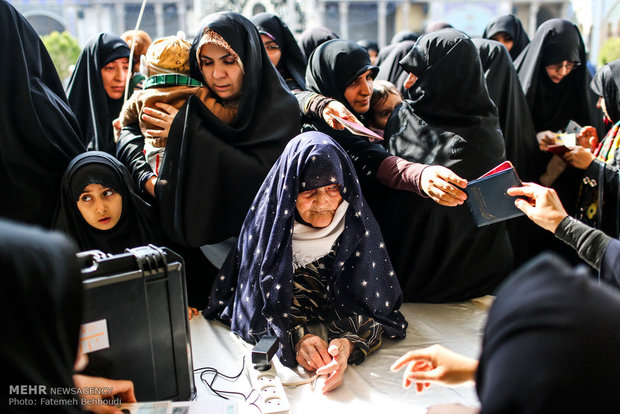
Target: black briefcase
134,323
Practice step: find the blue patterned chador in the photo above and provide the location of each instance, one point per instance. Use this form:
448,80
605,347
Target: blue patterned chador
254,289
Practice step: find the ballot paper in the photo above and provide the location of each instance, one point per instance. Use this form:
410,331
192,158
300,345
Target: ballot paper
572,127
564,141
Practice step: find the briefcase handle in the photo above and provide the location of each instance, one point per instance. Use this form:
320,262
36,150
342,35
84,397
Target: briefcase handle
147,259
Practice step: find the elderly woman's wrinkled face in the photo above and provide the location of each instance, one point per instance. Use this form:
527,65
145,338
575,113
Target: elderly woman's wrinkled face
100,206
317,207
221,71
114,75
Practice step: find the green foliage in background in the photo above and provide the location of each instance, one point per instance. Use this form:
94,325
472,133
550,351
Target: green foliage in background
610,51
64,50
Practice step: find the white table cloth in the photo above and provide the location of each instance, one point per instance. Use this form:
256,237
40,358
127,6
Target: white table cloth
369,387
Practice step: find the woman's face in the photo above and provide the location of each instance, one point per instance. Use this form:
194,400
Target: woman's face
273,50
221,71
559,71
505,39
381,113
100,206
114,75
373,56
317,207
600,104
358,93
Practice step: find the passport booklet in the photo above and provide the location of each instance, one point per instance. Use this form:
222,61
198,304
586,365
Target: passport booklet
487,198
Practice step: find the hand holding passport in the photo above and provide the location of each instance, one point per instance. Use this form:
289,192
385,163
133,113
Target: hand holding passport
487,198
565,141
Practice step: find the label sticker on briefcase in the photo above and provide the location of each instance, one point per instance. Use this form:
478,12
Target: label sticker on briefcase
94,336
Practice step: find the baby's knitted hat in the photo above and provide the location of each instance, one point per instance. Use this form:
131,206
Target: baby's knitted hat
166,55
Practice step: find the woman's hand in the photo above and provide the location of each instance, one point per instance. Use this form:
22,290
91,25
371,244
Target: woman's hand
191,312
149,186
545,138
543,207
435,364
441,185
116,125
340,350
312,353
161,118
579,157
335,108
411,79
122,389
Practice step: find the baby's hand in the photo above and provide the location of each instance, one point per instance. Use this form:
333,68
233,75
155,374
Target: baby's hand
588,138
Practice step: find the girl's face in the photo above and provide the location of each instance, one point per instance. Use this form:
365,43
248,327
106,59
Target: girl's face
505,39
317,207
273,50
559,71
100,206
221,71
114,75
359,91
381,113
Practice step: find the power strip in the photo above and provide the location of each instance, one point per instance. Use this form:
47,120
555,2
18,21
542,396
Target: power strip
272,399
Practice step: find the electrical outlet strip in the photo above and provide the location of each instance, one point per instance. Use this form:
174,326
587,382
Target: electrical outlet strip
272,399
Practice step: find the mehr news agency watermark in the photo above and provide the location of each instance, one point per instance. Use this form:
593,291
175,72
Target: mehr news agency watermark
44,396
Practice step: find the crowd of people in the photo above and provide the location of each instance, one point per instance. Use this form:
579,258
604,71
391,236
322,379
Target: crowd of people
234,150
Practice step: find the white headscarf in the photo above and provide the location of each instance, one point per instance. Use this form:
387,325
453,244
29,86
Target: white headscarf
311,243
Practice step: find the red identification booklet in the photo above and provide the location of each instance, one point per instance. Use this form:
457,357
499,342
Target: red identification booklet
503,166
360,130
558,149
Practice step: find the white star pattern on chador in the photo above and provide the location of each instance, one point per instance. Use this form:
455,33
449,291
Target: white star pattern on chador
261,267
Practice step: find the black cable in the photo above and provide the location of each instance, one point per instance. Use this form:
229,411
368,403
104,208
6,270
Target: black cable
203,371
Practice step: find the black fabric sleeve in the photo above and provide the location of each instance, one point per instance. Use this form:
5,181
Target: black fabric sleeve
611,171
610,174
311,104
129,151
366,156
293,85
588,242
610,264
